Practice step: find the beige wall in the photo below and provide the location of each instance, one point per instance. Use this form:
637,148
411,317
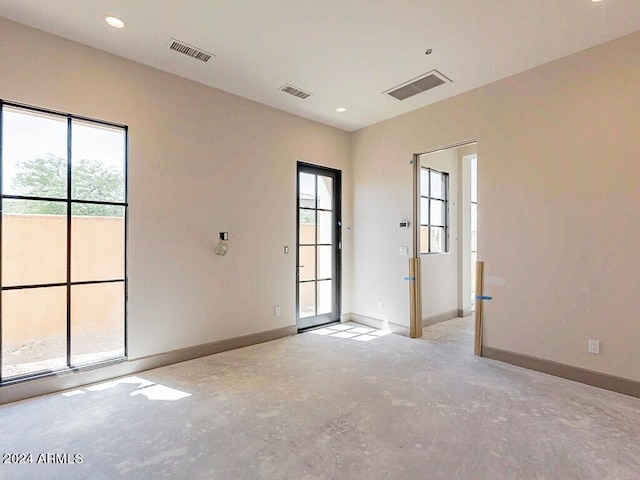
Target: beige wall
202,161
559,162
34,251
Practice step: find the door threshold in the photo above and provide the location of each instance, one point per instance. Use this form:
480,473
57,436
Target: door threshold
316,327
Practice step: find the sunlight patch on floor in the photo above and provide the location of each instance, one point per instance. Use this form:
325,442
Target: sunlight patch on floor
150,390
352,331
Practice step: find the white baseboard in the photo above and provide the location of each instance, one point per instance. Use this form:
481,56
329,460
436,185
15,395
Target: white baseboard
441,317
380,324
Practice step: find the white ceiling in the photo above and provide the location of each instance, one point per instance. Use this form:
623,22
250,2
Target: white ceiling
344,52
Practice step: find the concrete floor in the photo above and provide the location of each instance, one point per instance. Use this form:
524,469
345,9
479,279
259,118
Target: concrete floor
321,406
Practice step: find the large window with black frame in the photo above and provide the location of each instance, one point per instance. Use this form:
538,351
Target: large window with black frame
63,242
434,211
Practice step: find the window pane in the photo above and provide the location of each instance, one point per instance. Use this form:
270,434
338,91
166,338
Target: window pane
438,240
34,330
474,259
97,322
325,192
307,299
474,227
437,187
424,211
307,263
97,162
325,297
307,190
307,226
34,242
437,212
424,239
474,217
97,243
424,182
34,154
325,227
474,179
325,262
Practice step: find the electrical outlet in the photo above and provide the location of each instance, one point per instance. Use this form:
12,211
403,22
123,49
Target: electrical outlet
380,305
276,311
594,346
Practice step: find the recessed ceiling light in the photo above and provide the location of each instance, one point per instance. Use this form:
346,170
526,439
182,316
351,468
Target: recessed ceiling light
596,1
114,22
341,109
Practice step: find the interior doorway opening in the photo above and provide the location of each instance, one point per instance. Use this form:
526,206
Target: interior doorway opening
447,231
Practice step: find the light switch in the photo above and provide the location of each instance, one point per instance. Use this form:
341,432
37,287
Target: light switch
404,251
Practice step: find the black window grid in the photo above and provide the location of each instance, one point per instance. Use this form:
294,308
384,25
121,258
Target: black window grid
430,224
69,201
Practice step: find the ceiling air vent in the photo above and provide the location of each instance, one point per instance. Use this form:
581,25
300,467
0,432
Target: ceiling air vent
296,92
182,47
418,85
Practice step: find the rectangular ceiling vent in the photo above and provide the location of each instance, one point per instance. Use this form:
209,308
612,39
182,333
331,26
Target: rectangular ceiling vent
418,85
185,49
296,92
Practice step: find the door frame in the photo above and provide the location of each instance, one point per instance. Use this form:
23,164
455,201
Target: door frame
415,300
303,167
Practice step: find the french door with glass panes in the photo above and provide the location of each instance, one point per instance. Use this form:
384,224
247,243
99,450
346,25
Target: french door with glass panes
319,245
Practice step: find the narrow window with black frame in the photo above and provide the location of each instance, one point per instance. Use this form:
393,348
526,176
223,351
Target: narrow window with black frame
434,211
